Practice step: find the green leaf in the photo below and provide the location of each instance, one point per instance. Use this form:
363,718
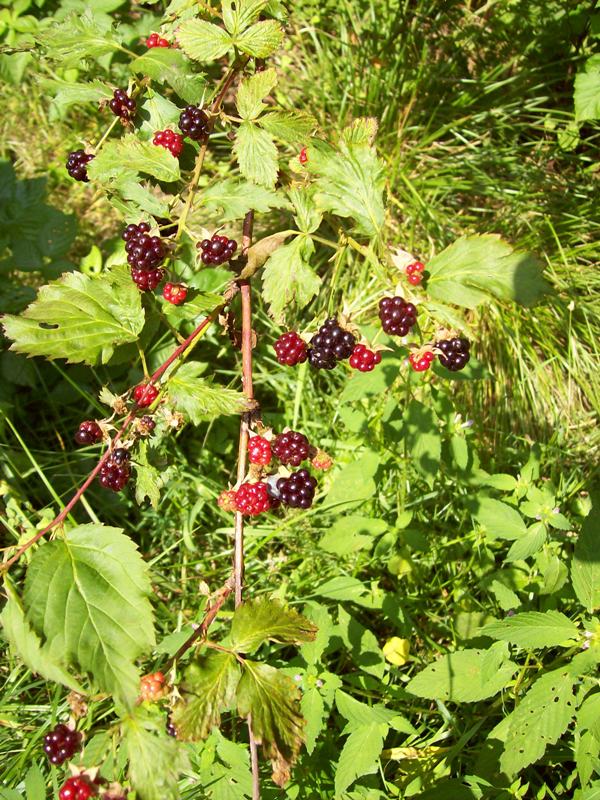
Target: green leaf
350,183
67,94
585,566
499,520
28,646
79,37
232,199
256,154
291,127
529,544
78,318
313,710
505,597
261,39
312,651
157,113
251,92
138,156
148,480
588,715
238,14
423,440
360,755
203,41
170,66
475,268
155,759
587,749
351,533
231,779
35,784
262,620
540,719
199,398
87,596
207,690
458,677
288,278
587,93
360,715
361,643
354,484
532,629
272,699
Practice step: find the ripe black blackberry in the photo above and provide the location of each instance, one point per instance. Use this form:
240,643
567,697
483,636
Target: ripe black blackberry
170,728
147,279
115,472
298,490
330,344
193,123
217,249
143,251
290,448
122,105
89,432
77,162
455,353
396,315
61,744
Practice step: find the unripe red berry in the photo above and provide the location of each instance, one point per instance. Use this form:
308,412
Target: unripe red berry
226,500
252,499
175,293
290,349
259,450
422,362
79,787
364,359
154,40
414,279
303,157
145,394
170,140
152,687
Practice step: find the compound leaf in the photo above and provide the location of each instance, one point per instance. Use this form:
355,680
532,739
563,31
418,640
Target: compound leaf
199,399
79,318
273,700
87,596
540,719
263,620
207,690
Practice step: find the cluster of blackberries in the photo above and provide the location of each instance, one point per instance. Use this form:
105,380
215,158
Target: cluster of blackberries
217,249
122,105
330,344
79,787
397,316
77,162
296,491
116,471
454,354
89,432
144,254
61,744
170,141
193,123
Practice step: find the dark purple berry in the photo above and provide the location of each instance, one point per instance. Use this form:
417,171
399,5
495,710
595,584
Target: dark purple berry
298,490
115,472
397,316
61,744
290,448
77,162
89,432
122,105
144,254
454,353
217,250
193,123
330,344
170,728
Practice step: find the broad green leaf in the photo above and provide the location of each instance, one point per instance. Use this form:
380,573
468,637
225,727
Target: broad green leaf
588,715
78,318
587,95
256,154
313,710
232,199
79,37
361,643
476,268
540,719
345,588
529,544
87,595
203,41
207,690
288,278
505,597
155,759
231,779
140,195
199,398
273,701
261,39
458,677
67,94
360,755
312,651
262,620
532,629
238,14
585,566
291,127
251,92
350,180
360,715
351,533
138,156
35,783
587,750
422,440
157,113
499,520
306,215
28,646
148,479
354,484
168,65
